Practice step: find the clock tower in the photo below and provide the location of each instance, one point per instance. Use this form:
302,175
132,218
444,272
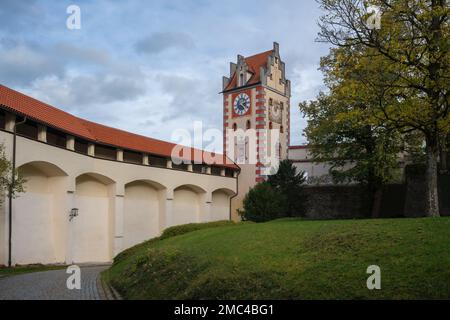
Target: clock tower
256,109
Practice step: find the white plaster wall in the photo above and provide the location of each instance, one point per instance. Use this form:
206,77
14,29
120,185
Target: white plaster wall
185,206
101,204
91,227
35,220
141,213
220,207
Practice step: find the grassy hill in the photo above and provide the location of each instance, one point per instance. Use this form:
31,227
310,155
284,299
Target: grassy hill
291,259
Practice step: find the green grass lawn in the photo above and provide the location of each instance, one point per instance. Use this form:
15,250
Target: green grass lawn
5,271
291,259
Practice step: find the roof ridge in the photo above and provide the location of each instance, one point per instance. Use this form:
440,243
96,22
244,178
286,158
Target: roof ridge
258,54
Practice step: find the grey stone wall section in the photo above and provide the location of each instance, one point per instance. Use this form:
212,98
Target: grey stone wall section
354,201
336,202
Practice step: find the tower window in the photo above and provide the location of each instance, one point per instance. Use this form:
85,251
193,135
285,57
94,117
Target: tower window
270,102
234,126
249,124
241,79
281,105
281,129
270,125
276,60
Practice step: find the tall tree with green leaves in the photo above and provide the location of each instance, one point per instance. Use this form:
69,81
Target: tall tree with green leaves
404,60
341,135
289,181
6,186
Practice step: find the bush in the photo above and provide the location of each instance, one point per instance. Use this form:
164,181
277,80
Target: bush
290,183
263,203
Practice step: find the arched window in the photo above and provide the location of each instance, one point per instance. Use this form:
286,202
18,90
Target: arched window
234,126
248,125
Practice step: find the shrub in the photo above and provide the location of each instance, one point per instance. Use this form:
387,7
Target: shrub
290,183
263,203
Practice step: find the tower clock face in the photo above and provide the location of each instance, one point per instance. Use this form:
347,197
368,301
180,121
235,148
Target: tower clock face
241,104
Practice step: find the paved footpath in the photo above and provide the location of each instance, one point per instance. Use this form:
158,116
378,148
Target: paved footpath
51,285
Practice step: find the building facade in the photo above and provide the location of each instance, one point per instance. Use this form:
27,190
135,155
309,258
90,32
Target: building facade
92,191
256,100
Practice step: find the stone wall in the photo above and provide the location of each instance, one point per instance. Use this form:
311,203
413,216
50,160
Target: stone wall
415,185
354,201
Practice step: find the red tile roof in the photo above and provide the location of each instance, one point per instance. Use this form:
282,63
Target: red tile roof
254,64
41,112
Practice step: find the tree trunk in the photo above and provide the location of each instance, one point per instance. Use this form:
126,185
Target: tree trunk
432,200
377,196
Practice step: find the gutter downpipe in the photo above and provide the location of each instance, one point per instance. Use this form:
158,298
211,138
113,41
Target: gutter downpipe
237,191
11,186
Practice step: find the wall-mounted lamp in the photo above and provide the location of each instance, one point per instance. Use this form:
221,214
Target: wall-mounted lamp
73,213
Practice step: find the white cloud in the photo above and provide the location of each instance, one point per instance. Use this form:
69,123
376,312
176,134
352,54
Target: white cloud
153,67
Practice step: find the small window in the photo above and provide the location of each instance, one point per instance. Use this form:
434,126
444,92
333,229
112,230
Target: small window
181,166
81,146
248,125
241,79
276,60
281,105
234,126
56,138
157,161
270,125
281,129
28,129
132,156
271,78
198,168
215,171
2,119
105,152
270,102
229,172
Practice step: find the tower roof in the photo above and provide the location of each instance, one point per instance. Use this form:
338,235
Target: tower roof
254,64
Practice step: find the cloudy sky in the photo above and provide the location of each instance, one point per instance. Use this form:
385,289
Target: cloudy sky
152,67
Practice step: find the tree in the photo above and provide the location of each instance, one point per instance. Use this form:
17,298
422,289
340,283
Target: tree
340,135
263,203
412,51
5,177
290,182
